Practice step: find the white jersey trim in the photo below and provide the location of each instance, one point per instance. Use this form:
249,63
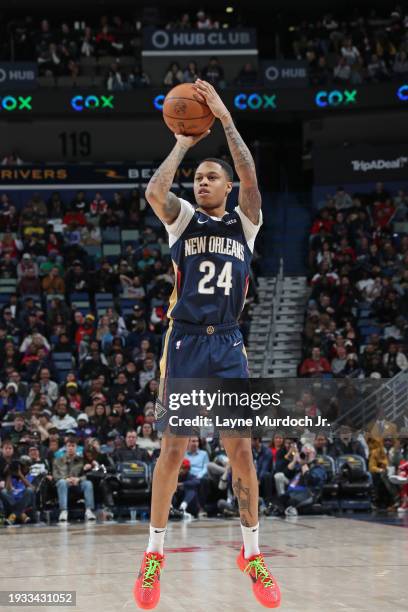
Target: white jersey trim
178,226
250,229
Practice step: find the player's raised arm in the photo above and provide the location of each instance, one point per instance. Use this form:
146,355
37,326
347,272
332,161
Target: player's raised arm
166,204
249,197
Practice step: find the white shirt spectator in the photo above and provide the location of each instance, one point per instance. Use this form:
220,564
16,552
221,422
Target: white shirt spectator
342,72
29,340
401,360
350,54
68,422
50,389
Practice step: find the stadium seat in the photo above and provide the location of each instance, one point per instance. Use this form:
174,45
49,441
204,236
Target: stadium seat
130,235
110,235
8,282
330,488
355,483
111,252
93,250
81,296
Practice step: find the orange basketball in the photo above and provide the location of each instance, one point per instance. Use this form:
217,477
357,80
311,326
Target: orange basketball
184,113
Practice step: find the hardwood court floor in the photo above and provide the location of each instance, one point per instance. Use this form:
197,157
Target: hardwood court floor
323,564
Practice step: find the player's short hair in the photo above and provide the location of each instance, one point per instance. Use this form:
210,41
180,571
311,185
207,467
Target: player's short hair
224,165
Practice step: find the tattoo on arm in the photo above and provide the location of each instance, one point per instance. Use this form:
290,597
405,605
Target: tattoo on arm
165,204
249,196
242,493
243,160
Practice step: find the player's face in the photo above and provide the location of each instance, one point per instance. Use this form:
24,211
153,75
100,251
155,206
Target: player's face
211,185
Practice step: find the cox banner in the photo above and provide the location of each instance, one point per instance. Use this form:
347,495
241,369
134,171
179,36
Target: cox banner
285,73
18,75
361,164
184,42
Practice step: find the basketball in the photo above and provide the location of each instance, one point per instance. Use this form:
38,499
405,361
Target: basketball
184,113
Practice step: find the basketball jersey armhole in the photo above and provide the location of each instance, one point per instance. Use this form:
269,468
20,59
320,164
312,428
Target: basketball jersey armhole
249,229
179,225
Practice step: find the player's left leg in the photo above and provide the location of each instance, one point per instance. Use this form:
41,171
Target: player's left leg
245,486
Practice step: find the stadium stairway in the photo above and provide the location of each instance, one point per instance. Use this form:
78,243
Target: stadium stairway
261,325
285,347
275,339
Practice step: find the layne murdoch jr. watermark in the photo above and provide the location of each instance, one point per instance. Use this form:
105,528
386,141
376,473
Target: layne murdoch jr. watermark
214,401
256,421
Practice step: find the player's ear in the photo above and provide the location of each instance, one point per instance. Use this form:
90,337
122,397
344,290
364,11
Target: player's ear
229,187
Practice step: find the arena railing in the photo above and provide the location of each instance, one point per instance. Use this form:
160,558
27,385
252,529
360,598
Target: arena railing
277,294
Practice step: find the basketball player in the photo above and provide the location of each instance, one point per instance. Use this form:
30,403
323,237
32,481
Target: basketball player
211,251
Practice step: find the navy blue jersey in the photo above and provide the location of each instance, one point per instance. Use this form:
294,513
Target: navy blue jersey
211,257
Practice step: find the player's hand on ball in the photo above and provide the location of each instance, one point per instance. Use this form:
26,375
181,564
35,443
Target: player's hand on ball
211,98
190,141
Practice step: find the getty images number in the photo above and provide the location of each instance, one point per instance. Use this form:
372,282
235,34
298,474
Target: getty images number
224,279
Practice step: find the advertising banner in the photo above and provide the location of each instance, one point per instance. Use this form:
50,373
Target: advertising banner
208,42
18,75
284,73
361,164
66,174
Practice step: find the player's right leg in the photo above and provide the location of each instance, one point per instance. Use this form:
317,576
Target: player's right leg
165,476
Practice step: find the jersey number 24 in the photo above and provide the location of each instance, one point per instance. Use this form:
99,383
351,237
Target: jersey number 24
224,279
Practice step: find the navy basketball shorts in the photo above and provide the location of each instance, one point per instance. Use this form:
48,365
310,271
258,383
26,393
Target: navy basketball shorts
191,352
203,351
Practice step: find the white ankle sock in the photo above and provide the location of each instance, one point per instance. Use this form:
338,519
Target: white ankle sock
250,537
156,539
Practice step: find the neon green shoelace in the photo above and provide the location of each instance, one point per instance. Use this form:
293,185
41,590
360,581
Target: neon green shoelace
258,565
152,565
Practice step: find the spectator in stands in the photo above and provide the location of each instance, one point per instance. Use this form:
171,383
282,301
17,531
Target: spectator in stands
320,74
116,79
214,73
131,451
186,495
10,246
342,71
204,22
377,70
174,75
13,159
291,484
147,438
345,444
68,472
47,386
198,458
315,365
106,43
62,420
53,283
10,400
191,73
262,458
87,43
247,76
321,444
394,360
400,66
385,494
381,427
138,78
18,493
350,53
6,456
49,61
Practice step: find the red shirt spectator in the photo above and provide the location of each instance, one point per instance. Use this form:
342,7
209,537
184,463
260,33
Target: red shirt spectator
85,329
314,365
